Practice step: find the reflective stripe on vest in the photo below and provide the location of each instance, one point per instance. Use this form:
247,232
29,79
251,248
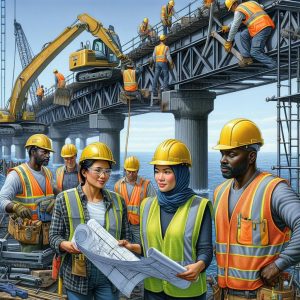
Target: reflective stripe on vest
60,173
138,193
32,192
129,79
250,239
160,53
256,19
178,243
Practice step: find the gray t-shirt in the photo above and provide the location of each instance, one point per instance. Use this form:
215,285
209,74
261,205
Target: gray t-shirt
13,186
285,205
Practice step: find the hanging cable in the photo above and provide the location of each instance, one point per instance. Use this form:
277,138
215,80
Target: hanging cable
127,134
14,67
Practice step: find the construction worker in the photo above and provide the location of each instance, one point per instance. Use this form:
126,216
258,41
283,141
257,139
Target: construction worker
40,93
130,81
90,200
177,222
27,191
252,40
167,11
162,58
134,189
67,176
59,79
146,31
254,214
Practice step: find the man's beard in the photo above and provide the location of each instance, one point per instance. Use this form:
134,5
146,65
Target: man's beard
235,172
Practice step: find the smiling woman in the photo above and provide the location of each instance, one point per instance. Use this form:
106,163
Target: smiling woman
90,200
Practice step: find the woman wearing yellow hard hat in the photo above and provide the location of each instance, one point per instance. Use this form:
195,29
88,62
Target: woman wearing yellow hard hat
90,200
177,222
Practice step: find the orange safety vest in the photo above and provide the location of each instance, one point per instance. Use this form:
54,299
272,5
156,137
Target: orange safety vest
250,239
139,193
256,18
166,15
40,92
32,192
160,53
129,78
61,79
60,173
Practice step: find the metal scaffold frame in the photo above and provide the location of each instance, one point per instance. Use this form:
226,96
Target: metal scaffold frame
3,54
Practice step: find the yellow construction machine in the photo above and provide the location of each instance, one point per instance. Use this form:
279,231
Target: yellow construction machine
17,103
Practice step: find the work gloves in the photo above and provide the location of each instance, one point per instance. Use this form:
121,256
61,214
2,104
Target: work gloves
50,206
228,46
225,28
22,211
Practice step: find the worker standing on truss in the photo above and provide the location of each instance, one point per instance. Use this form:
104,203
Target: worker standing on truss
252,40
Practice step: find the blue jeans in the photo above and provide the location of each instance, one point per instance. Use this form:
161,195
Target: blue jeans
161,67
255,47
100,288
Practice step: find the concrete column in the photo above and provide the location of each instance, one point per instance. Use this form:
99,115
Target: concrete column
82,142
1,153
58,138
20,151
7,142
191,109
109,131
72,140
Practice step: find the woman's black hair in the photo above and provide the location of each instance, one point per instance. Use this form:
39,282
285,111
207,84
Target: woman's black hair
85,165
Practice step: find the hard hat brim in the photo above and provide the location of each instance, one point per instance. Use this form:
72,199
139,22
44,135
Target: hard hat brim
97,158
225,147
51,150
66,156
166,163
131,169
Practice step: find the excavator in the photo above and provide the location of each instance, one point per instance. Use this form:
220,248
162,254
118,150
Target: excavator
16,112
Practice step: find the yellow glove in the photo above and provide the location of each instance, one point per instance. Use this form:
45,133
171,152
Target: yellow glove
22,211
50,206
228,46
225,28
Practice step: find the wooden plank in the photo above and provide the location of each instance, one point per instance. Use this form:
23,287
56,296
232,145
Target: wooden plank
236,53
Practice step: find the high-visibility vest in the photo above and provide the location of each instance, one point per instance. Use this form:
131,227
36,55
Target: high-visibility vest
61,79
40,92
144,29
32,192
256,19
178,243
160,53
129,78
166,15
113,216
60,173
139,193
249,240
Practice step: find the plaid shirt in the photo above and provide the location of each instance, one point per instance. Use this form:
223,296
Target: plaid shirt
60,231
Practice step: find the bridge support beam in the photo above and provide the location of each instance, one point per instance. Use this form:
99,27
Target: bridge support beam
191,109
6,142
58,138
20,151
109,131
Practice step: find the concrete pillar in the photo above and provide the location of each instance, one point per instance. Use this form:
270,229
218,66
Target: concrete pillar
109,131
7,142
20,151
1,153
191,109
72,140
82,142
58,138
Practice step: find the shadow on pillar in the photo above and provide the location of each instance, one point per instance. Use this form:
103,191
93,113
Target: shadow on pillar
6,142
191,109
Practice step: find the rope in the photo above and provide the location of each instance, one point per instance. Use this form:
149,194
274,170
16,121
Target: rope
128,127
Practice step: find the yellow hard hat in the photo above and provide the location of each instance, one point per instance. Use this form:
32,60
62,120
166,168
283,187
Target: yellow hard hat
97,151
229,3
68,150
39,140
171,3
131,164
162,37
55,71
146,20
237,133
171,152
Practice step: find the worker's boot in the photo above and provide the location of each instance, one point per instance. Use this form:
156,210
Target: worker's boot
246,61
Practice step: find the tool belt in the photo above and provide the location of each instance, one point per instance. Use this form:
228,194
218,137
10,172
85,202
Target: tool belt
78,265
27,231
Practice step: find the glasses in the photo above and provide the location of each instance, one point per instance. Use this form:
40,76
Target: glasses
100,171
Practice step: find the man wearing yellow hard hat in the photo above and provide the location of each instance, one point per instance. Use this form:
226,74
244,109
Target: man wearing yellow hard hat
67,176
29,195
252,40
134,189
167,11
60,81
255,212
146,31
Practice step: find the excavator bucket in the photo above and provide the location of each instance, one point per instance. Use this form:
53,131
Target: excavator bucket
62,96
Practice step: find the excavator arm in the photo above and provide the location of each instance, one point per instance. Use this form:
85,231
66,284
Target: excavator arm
41,60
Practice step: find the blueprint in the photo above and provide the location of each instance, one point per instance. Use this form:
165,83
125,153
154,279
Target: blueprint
124,269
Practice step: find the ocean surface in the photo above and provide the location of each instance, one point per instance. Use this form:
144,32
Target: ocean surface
265,162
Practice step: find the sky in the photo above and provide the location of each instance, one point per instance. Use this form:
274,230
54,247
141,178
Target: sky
44,20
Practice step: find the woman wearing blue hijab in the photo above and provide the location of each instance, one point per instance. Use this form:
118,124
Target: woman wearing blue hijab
177,222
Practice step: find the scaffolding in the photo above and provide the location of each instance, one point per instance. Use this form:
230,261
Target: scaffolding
3,55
